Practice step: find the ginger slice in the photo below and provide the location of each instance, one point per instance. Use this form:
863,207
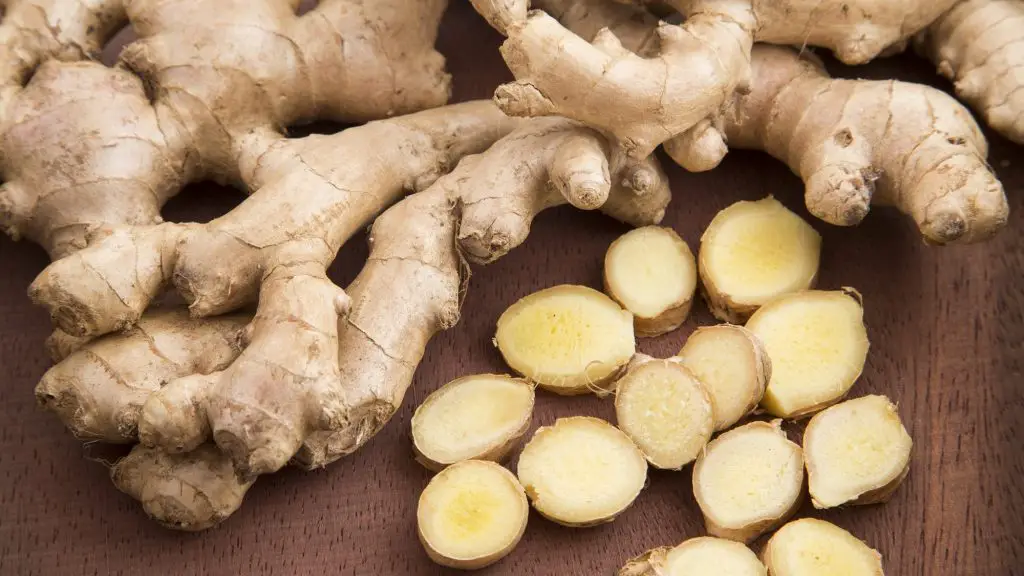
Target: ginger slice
857,452
748,480
665,409
581,471
751,253
734,367
651,272
471,515
818,345
702,556
811,547
474,417
568,339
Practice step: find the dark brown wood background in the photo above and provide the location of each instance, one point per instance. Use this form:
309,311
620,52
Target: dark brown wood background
946,328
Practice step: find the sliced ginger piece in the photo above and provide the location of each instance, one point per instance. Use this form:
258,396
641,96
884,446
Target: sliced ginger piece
751,253
818,345
856,452
652,273
702,556
477,417
748,480
581,471
811,547
734,367
471,514
665,409
568,339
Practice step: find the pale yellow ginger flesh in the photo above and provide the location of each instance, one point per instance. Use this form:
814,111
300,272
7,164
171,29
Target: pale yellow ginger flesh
702,556
748,480
751,253
473,417
734,367
818,345
568,339
471,515
811,547
581,471
666,410
856,452
651,272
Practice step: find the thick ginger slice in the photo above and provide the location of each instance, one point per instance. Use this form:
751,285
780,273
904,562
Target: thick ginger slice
748,481
734,367
977,45
751,253
568,339
811,547
818,345
478,417
581,471
856,452
651,272
471,515
701,556
666,410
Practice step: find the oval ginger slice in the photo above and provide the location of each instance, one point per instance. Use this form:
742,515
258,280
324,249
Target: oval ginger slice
702,556
811,547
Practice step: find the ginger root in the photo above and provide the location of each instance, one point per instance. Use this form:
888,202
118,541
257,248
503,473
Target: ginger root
479,417
857,452
702,556
581,471
651,272
811,547
471,515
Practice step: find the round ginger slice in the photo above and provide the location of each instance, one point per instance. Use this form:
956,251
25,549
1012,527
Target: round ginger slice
811,547
753,252
734,367
471,514
856,452
665,409
568,339
651,272
479,417
581,471
748,480
703,556
818,345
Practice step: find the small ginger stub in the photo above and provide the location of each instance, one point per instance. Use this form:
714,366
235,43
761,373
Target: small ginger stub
753,252
471,515
652,273
479,417
734,367
581,471
811,547
818,345
856,452
568,339
702,556
748,480
666,410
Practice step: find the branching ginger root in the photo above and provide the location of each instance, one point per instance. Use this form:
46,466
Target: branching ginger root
702,556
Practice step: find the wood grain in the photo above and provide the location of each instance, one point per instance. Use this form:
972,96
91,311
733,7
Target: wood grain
946,327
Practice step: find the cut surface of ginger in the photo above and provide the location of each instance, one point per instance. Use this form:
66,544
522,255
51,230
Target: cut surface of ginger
473,417
856,452
734,367
702,556
568,339
471,514
581,471
652,273
748,480
664,408
818,345
811,547
753,252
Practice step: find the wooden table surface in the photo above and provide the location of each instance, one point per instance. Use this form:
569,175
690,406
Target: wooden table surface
946,328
